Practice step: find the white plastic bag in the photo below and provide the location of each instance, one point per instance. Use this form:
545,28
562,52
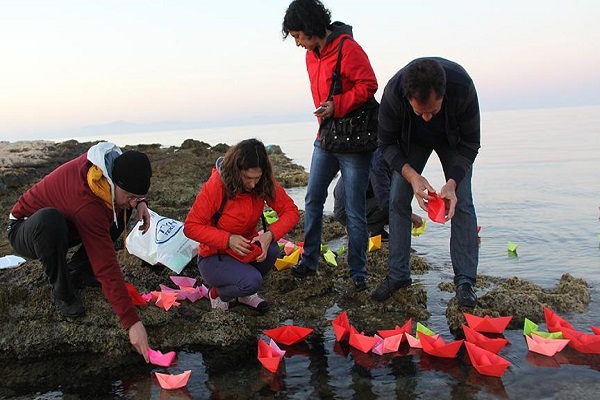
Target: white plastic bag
164,243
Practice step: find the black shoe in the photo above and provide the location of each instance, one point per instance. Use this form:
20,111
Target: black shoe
466,295
72,308
360,284
302,271
386,288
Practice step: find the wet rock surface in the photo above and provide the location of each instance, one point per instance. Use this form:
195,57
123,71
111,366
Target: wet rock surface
37,337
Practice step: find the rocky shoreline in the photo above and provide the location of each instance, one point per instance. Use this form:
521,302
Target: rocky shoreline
33,331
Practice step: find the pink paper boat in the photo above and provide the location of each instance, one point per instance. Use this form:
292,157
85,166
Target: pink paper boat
490,344
416,343
555,323
289,248
439,348
288,334
486,323
275,348
182,281
436,208
166,300
147,297
362,342
192,293
596,330
341,326
160,359
547,347
406,328
180,294
582,342
388,344
268,356
171,382
486,362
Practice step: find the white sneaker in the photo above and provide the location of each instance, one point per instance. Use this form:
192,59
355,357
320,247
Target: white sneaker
219,304
255,301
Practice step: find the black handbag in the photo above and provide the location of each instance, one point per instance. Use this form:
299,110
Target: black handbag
356,132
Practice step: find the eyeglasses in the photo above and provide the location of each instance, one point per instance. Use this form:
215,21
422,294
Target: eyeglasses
137,199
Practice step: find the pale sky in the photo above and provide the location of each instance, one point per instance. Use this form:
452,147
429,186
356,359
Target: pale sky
69,64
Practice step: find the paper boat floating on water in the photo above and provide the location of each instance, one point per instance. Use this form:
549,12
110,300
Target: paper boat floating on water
269,355
554,322
288,334
547,347
388,344
439,348
362,342
582,342
490,344
486,323
486,362
530,327
398,330
596,330
172,382
341,326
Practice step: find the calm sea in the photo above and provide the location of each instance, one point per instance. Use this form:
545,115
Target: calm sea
535,183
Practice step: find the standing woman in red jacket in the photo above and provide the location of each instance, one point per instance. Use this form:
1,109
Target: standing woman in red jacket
309,23
224,218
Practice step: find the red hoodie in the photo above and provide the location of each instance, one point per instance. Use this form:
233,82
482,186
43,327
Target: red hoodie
239,217
67,190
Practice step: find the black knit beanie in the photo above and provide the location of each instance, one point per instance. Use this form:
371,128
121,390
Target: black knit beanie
132,171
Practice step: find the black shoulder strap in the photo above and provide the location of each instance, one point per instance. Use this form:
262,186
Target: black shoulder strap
336,79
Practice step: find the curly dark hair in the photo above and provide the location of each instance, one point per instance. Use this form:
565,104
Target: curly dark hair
308,16
249,153
421,76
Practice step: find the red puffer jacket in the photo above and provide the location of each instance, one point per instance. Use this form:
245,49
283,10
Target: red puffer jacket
239,217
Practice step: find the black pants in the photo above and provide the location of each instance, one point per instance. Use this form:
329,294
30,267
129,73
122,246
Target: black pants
45,236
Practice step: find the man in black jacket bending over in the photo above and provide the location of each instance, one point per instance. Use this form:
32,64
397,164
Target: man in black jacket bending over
431,105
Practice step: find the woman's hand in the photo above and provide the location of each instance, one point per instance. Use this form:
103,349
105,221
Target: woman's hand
329,110
139,339
265,240
143,215
239,244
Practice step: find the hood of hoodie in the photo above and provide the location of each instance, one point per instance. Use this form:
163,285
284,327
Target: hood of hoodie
103,156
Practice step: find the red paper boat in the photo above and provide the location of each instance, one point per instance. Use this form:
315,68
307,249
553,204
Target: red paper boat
438,348
487,324
547,347
554,322
388,344
362,342
436,208
136,297
398,330
596,330
171,382
288,334
269,356
341,326
490,344
486,362
160,359
582,342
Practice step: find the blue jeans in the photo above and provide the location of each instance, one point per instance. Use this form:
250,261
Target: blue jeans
464,250
355,175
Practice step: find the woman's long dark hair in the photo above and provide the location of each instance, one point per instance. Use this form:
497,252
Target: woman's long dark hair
308,16
249,153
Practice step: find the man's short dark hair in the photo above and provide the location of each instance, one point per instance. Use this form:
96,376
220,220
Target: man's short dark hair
421,76
308,16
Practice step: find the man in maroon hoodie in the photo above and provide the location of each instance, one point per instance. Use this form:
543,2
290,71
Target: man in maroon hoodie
86,201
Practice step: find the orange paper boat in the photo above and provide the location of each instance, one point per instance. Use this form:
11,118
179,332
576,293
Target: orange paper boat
374,243
490,344
547,347
362,342
596,330
341,326
166,300
554,322
388,344
582,342
136,297
288,334
438,347
436,208
171,382
160,359
406,328
486,323
269,355
486,362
